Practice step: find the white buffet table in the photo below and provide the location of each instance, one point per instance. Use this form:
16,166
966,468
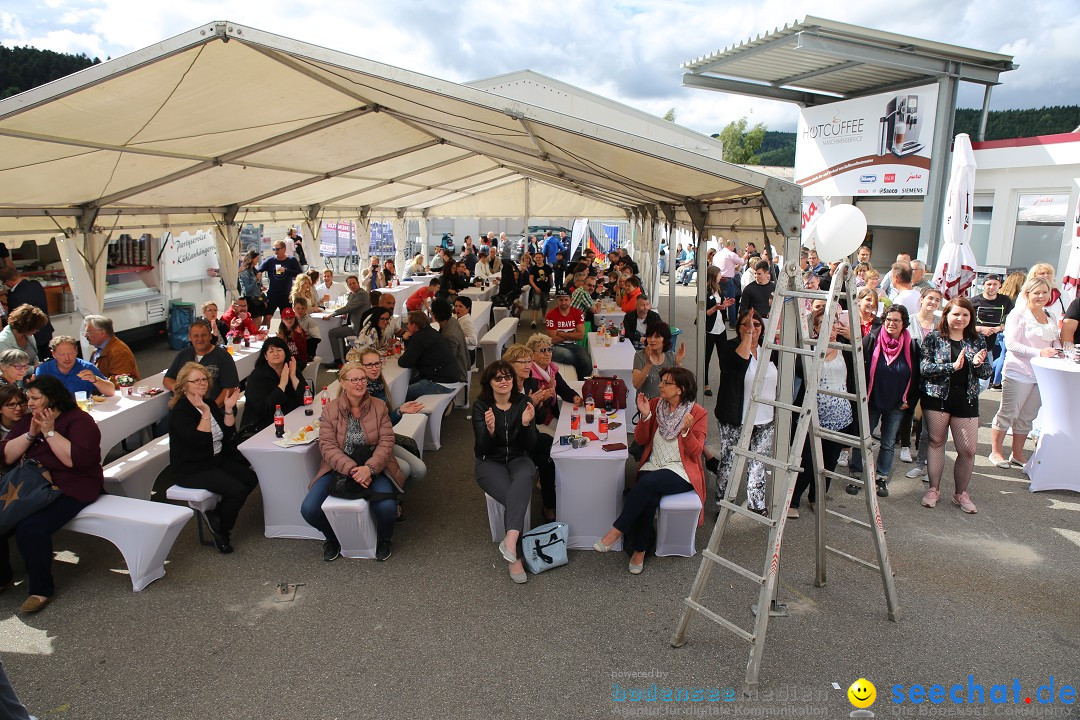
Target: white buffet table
615,361
1051,467
589,481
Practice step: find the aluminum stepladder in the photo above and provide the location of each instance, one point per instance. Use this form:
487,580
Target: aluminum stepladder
812,352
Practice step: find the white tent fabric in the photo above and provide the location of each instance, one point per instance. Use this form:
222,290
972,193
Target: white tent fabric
955,271
1070,284
400,238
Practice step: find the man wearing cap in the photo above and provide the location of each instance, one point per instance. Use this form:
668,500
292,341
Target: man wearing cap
565,326
991,309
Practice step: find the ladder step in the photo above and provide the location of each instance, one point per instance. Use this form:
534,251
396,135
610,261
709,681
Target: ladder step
766,460
805,294
848,519
734,567
746,512
852,558
839,393
839,437
846,347
698,607
839,477
788,348
798,409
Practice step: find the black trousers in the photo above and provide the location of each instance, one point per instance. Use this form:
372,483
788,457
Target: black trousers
232,479
545,466
636,519
33,537
717,342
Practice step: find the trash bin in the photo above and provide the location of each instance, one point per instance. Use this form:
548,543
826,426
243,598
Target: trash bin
181,315
675,333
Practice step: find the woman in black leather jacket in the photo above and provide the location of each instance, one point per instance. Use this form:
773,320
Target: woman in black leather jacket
503,423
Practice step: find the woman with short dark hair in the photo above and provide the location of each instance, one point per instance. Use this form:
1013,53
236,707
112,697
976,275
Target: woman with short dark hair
504,430
672,430
275,381
12,408
654,357
66,441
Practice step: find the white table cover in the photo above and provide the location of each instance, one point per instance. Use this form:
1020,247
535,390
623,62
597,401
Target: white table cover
609,312
1051,467
284,475
617,361
122,415
401,293
327,322
397,381
589,481
478,294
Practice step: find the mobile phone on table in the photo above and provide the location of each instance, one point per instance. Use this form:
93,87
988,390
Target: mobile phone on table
612,447
591,435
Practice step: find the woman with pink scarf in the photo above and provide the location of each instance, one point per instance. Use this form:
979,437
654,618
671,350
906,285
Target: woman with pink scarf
892,369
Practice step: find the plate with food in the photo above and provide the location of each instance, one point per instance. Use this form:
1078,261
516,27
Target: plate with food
302,436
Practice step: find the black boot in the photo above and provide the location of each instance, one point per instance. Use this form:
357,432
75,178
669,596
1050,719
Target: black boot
221,537
882,488
713,465
852,489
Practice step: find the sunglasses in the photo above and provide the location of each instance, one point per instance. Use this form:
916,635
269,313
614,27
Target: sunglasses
503,378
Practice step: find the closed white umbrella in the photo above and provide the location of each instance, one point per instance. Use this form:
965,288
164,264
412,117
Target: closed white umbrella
955,271
1070,284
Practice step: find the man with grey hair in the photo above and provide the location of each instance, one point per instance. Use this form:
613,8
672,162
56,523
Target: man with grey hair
886,282
111,355
918,275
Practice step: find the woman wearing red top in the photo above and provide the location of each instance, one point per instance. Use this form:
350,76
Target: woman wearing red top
672,430
294,336
67,443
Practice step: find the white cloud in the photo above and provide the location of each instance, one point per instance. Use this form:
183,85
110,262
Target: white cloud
630,51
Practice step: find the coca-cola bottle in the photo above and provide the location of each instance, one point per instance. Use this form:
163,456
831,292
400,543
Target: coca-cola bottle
247,338
279,422
325,396
309,398
609,396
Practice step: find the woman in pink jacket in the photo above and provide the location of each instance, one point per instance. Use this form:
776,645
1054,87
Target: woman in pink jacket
672,430
349,421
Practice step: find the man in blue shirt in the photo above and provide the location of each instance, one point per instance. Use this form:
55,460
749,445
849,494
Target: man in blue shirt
551,248
281,271
76,374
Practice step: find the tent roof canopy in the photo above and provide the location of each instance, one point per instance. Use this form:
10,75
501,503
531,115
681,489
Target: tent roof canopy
816,61
226,121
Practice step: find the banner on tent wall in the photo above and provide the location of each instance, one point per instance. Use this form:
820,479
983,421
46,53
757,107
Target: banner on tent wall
577,234
189,256
338,239
874,145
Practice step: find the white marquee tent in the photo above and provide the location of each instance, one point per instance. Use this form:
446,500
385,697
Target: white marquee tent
226,124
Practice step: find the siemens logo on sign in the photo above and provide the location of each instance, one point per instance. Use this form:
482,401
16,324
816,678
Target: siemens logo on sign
867,178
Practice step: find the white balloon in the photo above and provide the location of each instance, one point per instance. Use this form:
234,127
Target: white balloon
837,233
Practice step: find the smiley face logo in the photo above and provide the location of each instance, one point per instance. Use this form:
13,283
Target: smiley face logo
862,693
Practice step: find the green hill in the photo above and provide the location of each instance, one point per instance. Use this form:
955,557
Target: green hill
23,68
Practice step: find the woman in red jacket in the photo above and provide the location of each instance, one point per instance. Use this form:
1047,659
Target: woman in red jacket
672,430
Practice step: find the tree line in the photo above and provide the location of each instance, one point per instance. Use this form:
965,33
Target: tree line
24,68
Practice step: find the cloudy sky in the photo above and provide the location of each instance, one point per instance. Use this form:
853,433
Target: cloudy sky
629,51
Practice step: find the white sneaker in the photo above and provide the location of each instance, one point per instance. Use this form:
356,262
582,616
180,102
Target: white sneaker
905,454
842,462
917,471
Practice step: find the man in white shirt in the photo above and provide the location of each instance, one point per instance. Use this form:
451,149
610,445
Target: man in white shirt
886,282
729,263
902,291
329,291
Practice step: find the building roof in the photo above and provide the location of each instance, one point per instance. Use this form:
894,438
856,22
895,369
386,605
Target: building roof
815,61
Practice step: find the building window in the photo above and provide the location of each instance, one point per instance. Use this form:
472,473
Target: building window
980,227
1040,222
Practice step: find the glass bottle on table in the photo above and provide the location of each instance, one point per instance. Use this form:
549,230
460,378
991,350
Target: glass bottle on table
590,410
279,422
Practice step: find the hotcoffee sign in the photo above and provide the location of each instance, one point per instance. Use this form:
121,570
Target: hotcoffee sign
875,145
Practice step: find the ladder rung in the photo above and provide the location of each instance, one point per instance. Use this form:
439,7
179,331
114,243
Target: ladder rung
840,346
766,460
789,348
782,405
839,437
734,567
849,519
839,477
805,294
739,509
748,637
852,558
839,393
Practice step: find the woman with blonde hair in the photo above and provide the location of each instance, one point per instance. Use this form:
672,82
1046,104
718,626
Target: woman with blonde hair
1011,287
1055,305
1030,331
303,288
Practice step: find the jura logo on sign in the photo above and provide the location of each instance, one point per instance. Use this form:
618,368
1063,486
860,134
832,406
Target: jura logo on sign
914,176
890,177
867,178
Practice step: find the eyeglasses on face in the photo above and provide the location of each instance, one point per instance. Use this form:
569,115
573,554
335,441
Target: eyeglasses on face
523,361
198,380
18,366
665,381
896,321
356,381
377,363
14,405
545,350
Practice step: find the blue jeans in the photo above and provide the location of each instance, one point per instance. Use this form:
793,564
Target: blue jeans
384,511
728,288
999,361
425,387
574,355
890,424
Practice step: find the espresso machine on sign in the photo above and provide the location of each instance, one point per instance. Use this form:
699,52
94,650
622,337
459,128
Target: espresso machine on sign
899,128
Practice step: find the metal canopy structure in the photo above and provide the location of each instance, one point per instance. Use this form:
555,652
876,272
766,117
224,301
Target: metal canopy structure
816,61
227,124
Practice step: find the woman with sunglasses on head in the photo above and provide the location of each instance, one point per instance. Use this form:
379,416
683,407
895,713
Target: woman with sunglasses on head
66,441
738,366
275,381
505,431
202,450
352,424
672,430
412,467
953,362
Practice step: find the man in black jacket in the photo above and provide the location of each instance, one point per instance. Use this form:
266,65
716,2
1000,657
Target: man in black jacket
637,322
22,291
429,356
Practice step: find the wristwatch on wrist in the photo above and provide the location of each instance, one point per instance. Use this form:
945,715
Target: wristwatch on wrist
50,433
31,437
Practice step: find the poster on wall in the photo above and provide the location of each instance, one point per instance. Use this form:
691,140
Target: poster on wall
874,145
337,239
189,256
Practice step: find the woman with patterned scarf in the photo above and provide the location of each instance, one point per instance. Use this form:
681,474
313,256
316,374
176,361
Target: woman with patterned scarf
892,369
672,430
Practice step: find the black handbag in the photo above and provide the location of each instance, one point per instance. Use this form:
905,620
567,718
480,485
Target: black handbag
24,489
343,486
